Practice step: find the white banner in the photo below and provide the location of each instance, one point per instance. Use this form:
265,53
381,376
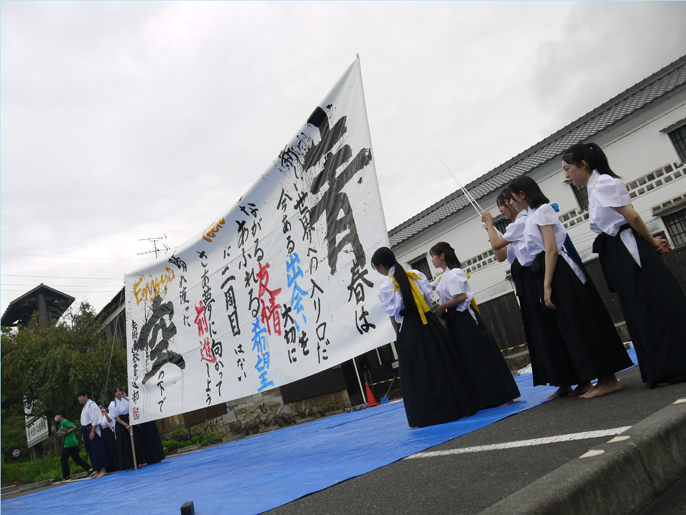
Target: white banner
278,288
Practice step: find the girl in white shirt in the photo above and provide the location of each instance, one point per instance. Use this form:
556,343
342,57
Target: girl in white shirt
433,381
550,360
653,304
592,342
476,347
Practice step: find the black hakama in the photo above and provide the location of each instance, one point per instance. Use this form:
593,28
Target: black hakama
96,449
146,438
148,443
434,383
653,304
592,341
480,356
550,360
111,442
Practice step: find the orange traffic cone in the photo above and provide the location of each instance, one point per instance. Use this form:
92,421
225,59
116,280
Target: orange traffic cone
371,401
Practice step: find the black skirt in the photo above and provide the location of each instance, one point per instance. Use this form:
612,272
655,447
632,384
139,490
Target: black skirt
434,384
111,442
146,439
550,360
592,341
480,356
653,304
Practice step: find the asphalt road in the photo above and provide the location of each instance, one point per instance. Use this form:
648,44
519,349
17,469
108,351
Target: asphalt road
471,482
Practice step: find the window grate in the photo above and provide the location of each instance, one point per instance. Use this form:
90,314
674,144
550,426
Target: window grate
676,226
678,138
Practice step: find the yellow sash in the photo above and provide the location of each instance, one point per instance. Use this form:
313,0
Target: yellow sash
473,303
416,294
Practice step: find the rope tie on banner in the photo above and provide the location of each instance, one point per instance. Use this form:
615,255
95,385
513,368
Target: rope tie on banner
473,202
114,339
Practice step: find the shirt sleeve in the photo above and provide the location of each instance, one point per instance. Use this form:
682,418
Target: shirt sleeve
389,298
515,231
66,424
424,287
544,215
112,408
611,192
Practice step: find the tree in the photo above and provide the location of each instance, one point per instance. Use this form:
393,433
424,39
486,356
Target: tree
48,365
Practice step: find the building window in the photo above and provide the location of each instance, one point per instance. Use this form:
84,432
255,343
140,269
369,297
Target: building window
501,223
422,265
676,226
581,194
678,138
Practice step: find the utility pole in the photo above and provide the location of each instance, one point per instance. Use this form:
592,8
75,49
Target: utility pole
155,250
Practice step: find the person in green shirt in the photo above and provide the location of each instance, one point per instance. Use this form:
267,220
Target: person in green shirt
66,430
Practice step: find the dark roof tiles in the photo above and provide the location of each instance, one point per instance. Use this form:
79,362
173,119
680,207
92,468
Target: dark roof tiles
613,111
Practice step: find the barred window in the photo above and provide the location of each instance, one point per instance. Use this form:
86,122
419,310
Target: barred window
501,223
678,138
581,194
676,226
422,265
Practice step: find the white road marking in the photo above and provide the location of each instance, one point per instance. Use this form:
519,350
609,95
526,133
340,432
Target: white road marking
524,443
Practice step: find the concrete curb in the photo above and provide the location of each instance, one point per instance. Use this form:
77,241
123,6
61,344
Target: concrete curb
624,478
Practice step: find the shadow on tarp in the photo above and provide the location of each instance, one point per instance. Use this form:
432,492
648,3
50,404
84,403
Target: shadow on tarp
269,470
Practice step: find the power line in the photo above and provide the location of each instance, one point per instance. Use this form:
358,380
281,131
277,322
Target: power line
67,285
74,291
60,277
72,257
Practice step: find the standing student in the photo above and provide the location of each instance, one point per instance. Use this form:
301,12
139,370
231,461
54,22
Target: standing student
119,412
432,379
476,347
550,360
70,447
108,427
91,417
592,342
653,304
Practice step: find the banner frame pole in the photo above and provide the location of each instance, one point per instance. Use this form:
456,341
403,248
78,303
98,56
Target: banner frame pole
364,398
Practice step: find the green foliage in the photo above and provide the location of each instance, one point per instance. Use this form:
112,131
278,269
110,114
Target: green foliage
47,467
179,432
50,364
14,437
212,438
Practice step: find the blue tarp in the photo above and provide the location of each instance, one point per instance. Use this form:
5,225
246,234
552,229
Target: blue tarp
265,471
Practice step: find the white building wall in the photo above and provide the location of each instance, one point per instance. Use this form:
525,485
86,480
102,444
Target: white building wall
634,148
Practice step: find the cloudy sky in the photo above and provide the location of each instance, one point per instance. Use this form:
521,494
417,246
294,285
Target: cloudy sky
129,120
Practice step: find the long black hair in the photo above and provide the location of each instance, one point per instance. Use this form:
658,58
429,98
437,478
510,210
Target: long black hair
384,256
592,154
532,192
444,248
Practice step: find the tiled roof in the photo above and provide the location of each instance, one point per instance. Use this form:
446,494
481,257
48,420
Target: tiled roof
659,84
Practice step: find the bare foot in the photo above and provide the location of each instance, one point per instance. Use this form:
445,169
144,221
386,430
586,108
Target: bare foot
583,388
505,404
101,474
561,392
606,384
658,385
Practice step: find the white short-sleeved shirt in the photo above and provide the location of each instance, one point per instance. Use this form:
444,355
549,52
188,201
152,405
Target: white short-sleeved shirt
119,407
533,238
604,194
514,234
452,283
105,423
90,414
392,300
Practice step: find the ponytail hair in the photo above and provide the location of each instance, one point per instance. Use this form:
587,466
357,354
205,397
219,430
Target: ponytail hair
444,248
384,256
532,192
593,156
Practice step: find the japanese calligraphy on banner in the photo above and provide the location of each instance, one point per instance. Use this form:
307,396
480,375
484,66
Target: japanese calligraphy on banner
278,288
